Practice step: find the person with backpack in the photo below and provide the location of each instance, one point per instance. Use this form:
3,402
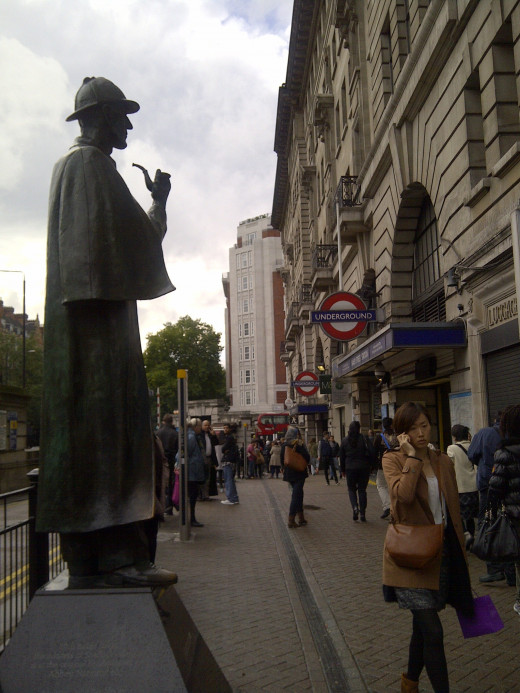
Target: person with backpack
466,474
386,440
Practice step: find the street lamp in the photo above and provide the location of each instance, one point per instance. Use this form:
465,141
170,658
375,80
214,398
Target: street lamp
23,321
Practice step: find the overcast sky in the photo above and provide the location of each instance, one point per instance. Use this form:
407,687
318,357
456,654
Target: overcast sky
206,74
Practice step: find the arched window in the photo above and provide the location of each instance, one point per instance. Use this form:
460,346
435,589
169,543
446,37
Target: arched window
427,287
426,261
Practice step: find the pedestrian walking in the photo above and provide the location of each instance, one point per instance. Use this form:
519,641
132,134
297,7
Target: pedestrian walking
423,491
384,441
356,460
295,479
169,438
210,441
196,470
313,452
251,458
230,455
335,454
504,482
466,474
274,459
326,460
482,453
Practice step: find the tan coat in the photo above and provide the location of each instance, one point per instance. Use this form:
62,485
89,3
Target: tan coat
409,505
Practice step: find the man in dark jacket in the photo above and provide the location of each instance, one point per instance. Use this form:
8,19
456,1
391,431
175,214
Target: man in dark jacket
326,458
481,452
230,458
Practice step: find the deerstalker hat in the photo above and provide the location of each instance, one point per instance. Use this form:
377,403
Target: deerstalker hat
98,90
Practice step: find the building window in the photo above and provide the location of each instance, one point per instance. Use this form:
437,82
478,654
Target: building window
343,104
244,282
239,329
252,329
427,266
386,62
244,259
238,261
242,399
253,376
241,377
241,354
251,238
253,351
253,397
246,329
249,258
246,353
245,305
248,376
338,125
248,397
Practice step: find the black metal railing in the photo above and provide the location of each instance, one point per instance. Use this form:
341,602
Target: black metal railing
27,559
348,192
306,293
323,256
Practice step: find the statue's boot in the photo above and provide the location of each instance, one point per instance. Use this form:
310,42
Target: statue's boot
148,575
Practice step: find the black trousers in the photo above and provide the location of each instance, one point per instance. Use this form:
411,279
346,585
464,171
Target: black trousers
357,482
105,550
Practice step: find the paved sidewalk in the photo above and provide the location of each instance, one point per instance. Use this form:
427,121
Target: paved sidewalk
302,610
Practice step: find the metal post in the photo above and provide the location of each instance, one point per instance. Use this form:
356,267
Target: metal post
338,229
38,542
182,397
158,407
246,469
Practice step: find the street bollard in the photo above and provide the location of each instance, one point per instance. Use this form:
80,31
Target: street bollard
38,542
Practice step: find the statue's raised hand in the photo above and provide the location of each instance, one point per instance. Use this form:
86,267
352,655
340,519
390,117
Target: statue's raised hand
160,186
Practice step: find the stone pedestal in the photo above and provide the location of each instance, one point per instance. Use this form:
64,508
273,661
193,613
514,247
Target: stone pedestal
126,640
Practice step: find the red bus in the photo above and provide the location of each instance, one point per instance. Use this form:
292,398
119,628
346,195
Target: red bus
272,424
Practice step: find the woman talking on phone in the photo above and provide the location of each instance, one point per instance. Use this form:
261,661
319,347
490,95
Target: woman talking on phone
423,491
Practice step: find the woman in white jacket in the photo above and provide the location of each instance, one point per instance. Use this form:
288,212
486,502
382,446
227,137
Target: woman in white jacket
466,474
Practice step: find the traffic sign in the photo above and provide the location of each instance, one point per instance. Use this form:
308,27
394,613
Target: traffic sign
343,316
306,383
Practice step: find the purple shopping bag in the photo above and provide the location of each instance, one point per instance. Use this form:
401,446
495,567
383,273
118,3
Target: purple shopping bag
175,494
485,621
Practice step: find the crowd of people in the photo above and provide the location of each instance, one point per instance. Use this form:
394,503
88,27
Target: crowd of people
417,484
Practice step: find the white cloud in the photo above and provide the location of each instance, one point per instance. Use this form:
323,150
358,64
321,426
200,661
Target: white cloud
206,73
33,92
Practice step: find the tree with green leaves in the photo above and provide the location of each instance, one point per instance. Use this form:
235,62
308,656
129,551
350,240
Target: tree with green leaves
189,344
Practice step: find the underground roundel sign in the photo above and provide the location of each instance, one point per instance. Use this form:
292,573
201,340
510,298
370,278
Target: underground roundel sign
343,316
306,383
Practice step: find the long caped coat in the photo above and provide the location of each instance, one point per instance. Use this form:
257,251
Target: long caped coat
103,254
409,505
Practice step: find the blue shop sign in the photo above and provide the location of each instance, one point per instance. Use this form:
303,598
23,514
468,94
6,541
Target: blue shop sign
403,336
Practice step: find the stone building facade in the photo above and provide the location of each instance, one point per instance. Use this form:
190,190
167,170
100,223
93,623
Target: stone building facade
398,179
254,320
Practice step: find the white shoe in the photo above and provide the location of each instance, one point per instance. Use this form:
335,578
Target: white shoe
516,606
227,502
